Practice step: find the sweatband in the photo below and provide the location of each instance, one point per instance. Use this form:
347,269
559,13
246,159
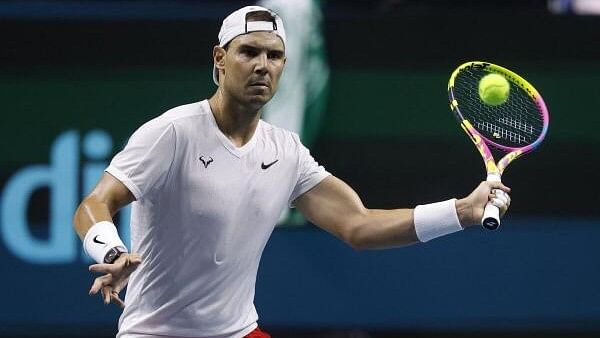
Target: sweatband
100,239
436,219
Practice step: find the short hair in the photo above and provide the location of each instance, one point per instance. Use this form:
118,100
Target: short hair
260,16
255,16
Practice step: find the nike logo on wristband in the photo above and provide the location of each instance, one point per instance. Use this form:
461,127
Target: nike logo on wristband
98,241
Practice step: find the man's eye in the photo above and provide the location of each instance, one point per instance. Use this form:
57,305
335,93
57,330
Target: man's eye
249,52
275,55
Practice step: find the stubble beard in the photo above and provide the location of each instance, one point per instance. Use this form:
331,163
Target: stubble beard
256,101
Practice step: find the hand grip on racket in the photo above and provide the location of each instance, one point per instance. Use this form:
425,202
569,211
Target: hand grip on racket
511,128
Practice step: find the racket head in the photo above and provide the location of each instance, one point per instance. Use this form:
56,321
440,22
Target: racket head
515,127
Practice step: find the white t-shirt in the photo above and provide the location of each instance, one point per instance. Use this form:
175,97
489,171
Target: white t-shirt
203,213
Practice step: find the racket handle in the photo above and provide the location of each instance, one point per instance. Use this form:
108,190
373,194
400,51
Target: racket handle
491,213
491,217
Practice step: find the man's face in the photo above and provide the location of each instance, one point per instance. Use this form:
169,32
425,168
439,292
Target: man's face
253,64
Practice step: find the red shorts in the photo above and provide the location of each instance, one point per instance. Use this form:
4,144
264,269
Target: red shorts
258,333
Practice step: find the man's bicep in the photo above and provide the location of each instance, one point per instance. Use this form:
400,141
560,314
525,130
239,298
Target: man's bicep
332,205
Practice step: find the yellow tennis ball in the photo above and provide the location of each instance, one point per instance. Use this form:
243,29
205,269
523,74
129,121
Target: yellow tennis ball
494,89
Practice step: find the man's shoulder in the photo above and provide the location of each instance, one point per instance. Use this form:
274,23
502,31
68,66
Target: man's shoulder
170,119
183,111
280,135
176,115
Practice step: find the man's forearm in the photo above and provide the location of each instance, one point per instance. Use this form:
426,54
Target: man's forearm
90,212
400,227
380,229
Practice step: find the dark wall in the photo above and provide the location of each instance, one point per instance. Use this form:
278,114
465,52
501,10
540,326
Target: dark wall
387,95
375,40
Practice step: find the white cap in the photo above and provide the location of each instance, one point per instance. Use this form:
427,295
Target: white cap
235,24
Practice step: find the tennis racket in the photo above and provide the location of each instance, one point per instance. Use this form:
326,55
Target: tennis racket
510,129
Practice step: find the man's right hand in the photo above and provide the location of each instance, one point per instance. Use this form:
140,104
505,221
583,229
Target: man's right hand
115,277
470,209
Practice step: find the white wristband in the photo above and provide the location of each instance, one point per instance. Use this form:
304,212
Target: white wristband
100,239
436,219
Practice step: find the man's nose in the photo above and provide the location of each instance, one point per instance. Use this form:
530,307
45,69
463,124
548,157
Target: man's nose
261,63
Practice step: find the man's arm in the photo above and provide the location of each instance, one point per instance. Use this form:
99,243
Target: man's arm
101,204
335,207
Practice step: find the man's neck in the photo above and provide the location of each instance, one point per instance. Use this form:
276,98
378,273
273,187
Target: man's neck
238,122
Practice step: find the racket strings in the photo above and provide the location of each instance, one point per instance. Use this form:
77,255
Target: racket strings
515,123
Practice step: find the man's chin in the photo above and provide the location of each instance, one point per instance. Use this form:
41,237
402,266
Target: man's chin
259,99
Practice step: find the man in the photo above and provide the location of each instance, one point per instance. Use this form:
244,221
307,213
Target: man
208,181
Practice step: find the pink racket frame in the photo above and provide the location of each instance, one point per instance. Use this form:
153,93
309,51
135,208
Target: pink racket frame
481,142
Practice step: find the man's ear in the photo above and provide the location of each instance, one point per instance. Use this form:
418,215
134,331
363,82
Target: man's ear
219,57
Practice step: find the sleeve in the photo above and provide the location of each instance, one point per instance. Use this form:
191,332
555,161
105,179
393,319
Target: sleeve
142,166
309,173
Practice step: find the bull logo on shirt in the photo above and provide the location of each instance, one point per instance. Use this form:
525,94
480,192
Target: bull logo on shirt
206,160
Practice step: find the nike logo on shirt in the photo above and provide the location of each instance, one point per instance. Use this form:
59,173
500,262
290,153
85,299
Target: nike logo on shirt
266,166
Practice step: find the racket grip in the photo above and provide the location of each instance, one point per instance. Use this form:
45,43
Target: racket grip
491,217
491,213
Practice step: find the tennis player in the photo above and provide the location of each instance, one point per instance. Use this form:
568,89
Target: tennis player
208,182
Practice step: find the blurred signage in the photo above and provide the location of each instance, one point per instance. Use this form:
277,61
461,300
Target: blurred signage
76,163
